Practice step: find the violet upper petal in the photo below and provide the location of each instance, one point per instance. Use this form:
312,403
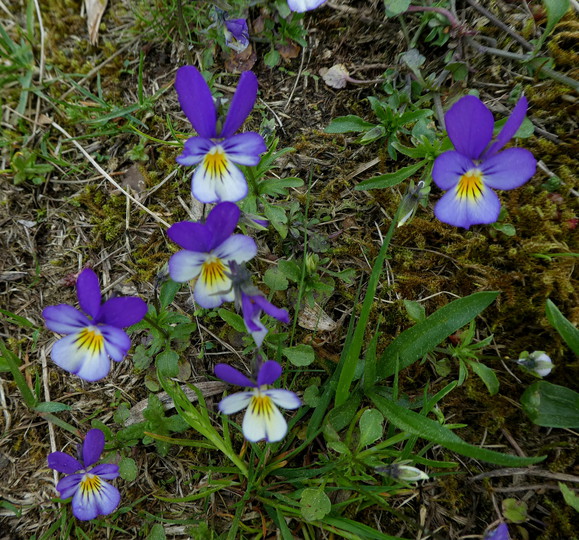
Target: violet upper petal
509,169
232,376
88,292
93,446
273,311
196,100
469,125
245,148
61,462
108,471
269,372
221,222
241,104
449,167
122,311
64,319
191,236
511,126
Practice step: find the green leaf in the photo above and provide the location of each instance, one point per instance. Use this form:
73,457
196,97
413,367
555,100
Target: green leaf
487,375
291,270
278,186
21,321
314,504
551,405
128,469
157,532
390,179
51,406
275,279
167,363
272,58
277,218
423,337
570,497
232,319
514,510
357,530
347,124
415,310
415,424
168,291
555,11
300,355
566,330
371,427
395,7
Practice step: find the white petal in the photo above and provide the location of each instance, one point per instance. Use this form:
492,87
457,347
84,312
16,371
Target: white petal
82,353
263,420
213,286
284,398
235,402
185,265
238,248
216,178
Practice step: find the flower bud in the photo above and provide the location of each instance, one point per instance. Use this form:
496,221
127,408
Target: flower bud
404,473
537,363
312,260
410,203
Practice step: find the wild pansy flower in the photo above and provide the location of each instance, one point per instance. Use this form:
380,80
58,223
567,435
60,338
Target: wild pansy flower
475,166
500,533
95,335
236,34
263,420
252,302
207,251
91,495
304,5
216,150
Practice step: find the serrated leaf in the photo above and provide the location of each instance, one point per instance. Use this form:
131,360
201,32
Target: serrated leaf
390,179
300,355
314,504
348,124
371,427
128,469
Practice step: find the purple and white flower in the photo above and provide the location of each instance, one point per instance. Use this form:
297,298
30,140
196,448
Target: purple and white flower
216,151
236,34
304,5
207,251
262,420
469,173
95,335
91,495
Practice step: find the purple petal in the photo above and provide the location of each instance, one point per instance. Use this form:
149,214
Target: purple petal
68,486
185,265
108,471
509,169
221,222
88,292
64,319
117,342
215,181
251,312
122,311
449,167
232,376
304,5
236,34
194,150
500,533
93,447
273,311
61,462
191,236
511,126
94,500
196,100
270,371
469,125
241,104
245,148
463,212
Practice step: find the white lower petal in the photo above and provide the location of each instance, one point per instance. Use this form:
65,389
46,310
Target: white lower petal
213,286
83,353
263,420
284,398
235,402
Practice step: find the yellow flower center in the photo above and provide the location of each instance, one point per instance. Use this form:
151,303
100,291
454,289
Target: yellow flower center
470,185
261,405
90,338
213,271
90,484
215,162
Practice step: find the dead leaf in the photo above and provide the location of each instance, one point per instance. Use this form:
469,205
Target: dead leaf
94,14
243,61
134,179
292,50
316,319
336,76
